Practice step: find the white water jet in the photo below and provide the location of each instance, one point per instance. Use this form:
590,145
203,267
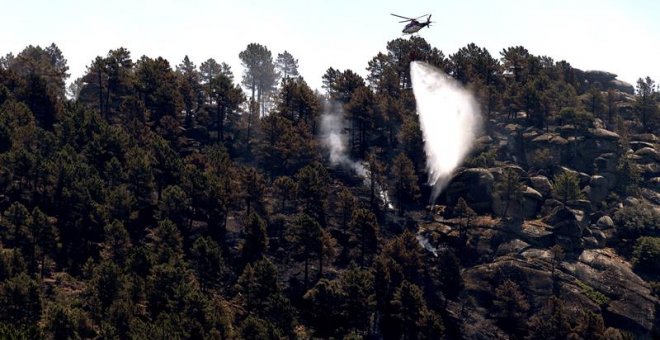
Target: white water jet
449,118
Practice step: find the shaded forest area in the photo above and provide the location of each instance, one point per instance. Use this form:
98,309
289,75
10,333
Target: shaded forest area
151,201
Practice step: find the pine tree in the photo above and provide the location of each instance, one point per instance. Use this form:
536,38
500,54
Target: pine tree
306,237
255,244
566,186
405,179
364,234
260,76
287,65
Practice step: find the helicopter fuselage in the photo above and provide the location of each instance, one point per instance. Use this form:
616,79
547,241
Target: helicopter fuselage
413,27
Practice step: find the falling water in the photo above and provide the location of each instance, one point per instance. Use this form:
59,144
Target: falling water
449,118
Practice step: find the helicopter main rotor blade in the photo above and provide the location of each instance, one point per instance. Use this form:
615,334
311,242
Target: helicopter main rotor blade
396,15
422,16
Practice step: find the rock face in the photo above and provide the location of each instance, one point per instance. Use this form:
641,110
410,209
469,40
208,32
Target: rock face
631,305
541,184
584,149
527,207
606,80
475,185
598,189
597,279
621,86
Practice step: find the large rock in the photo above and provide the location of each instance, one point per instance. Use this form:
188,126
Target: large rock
648,155
604,134
607,81
654,183
651,196
598,189
583,177
586,147
631,305
598,76
606,162
649,170
605,165
605,222
621,85
645,137
636,145
542,184
532,201
567,221
551,141
528,207
475,185
598,280
512,247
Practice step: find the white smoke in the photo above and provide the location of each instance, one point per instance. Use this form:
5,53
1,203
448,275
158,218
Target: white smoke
333,138
449,118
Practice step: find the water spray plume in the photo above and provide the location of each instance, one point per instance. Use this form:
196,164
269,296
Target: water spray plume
449,118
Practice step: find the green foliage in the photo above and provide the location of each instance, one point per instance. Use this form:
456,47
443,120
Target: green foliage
159,203
405,181
20,301
551,322
324,307
572,116
364,234
511,306
510,188
255,245
207,262
412,317
637,220
646,104
627,176
484,159
260,76
595,296
566,186
541,159
646,256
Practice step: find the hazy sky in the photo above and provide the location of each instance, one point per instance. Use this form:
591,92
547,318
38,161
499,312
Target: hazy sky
622,37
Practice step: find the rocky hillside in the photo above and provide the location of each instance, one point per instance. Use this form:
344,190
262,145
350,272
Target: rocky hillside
571,229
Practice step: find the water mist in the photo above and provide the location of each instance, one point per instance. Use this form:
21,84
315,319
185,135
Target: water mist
449,118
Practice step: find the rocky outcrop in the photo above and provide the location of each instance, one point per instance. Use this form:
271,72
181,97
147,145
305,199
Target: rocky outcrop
586,148
605,165
475,185
527,207
598,189
598,280
631,305
541,184
605,80
647,155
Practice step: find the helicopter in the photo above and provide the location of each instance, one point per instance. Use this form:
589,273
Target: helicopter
413,25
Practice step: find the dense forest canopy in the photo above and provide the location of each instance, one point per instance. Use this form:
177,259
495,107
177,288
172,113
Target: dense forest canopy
195,201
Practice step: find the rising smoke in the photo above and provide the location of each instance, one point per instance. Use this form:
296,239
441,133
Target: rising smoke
333,138
449,118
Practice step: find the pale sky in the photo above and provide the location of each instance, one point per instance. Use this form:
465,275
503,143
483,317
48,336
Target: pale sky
621,37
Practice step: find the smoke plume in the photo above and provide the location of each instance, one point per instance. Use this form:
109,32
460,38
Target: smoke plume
449,119
333,138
